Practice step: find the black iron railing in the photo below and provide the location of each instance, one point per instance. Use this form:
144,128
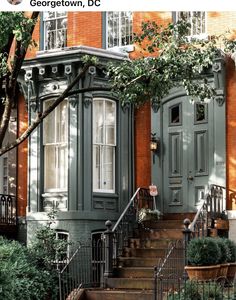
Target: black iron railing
171,266
7,209
84,269
128,221
174,288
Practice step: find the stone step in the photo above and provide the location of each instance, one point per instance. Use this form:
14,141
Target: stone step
130,283
163,224
156,243
149,243
134,272
173,234
137,262
144,252
108,294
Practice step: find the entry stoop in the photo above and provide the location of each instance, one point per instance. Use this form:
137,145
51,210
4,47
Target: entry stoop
134,275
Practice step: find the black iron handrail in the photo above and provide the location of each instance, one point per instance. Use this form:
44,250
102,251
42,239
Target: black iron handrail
7,209
128,220
199,225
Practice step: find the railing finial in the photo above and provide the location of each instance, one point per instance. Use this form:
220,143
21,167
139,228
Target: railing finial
108,225
186,222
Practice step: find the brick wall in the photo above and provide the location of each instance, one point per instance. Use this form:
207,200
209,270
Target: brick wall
231,129
22,160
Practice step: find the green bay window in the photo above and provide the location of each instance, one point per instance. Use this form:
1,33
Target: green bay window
55,142
104,145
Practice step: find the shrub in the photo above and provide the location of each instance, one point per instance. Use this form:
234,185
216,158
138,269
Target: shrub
232,250
203,252
198,291
224,250
30,273
20,277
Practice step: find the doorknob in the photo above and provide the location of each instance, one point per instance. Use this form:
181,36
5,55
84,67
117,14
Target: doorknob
190,178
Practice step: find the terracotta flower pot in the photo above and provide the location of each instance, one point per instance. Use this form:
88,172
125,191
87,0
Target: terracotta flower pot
202,273
223,270
231,272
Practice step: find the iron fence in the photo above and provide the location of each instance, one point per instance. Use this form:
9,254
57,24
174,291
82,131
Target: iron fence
173,288
84,269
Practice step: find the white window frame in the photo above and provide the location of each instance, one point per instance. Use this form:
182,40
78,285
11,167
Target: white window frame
130,33
47,19
202,35
103,144
66,234
57,189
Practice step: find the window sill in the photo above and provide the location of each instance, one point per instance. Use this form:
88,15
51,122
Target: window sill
122,49
54,194
105,195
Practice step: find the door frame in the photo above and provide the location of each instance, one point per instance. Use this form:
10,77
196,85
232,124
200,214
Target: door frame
218,174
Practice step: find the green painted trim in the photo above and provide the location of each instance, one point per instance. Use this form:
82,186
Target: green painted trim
41,32
104,30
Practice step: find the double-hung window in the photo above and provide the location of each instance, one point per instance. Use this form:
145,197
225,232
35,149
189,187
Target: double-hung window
197,19
55,141
119,28
55,30
104,145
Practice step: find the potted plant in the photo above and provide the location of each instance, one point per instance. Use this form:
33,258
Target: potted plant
231,259
223,257
203,257
147,214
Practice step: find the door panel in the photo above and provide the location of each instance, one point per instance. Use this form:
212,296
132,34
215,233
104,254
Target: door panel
187,153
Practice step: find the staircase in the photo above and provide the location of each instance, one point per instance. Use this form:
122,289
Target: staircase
134,275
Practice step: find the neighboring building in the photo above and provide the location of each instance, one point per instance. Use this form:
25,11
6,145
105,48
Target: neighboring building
90,154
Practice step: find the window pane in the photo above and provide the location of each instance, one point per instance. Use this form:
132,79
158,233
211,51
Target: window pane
108,168
62,122
50,165
197,19
110,122
119,28
98,122
62,166
96,168
200,112
104,142
175,114
49,125
55,147
55,30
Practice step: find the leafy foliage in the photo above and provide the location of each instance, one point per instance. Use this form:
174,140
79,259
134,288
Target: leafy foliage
174,60
30,273
13,24
20,276
225,254
47,248
232,249
203,252
198,291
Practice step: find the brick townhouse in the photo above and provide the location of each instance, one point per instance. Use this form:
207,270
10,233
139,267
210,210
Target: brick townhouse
90,154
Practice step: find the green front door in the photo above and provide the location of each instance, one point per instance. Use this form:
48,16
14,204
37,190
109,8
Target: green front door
187,155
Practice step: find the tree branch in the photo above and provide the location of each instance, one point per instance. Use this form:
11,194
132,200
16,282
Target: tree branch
11,78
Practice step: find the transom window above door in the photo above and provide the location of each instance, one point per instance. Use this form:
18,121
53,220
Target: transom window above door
104,145
197,19
55,30
119,28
